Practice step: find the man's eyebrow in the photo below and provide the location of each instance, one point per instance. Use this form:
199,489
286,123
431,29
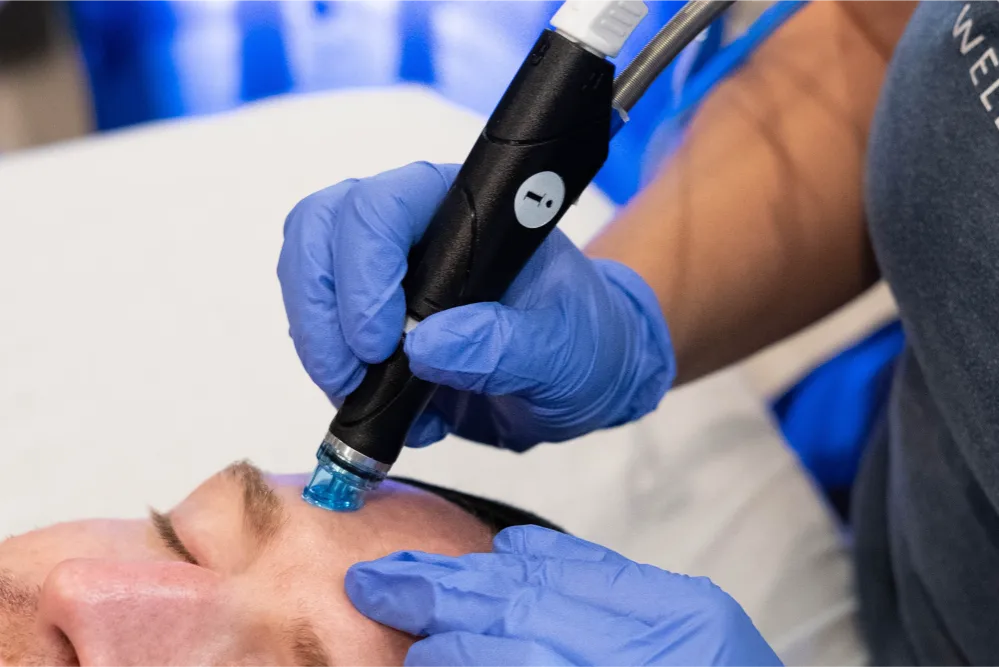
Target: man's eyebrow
263,511
16,598
306,647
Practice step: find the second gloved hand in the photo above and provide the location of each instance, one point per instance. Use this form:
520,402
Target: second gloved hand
544,598
575,345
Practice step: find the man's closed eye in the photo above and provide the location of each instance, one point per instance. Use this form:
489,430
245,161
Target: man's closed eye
163,526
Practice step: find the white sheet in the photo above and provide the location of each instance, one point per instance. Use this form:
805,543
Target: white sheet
144,347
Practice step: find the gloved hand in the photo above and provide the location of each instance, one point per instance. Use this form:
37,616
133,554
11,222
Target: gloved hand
577,344
544,598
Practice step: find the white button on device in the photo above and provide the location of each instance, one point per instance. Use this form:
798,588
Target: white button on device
539,199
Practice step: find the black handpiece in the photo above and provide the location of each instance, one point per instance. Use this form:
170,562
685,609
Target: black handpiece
545,141
541,147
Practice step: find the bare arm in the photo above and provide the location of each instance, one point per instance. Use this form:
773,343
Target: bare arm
755,227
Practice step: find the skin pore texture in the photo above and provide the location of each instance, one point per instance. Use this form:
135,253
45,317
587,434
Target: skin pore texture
241,572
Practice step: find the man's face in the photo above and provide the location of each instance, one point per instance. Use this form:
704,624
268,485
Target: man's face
242,572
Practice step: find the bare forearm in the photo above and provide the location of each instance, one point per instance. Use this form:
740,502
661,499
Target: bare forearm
755,227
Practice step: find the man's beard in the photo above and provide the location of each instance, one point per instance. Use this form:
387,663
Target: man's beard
30,654
23,648
21,640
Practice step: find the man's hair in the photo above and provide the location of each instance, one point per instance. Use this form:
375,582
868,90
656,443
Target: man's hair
494,514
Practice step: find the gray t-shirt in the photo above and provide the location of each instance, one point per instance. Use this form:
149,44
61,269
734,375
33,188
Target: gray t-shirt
926,508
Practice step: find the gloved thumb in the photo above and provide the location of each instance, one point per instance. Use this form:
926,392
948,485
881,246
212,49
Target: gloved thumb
491,349
473,650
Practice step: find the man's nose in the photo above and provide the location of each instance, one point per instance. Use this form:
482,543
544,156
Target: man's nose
145,613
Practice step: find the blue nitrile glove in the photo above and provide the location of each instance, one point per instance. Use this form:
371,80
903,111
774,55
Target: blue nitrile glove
544,598
577,344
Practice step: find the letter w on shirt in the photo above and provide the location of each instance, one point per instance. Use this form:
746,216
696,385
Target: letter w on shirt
962,27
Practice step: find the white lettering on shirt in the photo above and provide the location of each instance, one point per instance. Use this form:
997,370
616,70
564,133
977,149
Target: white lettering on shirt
980,65
984,97
964,29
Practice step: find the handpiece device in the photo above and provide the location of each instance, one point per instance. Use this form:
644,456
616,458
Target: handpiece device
543,144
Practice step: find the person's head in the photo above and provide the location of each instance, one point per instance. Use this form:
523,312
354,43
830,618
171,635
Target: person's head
241,572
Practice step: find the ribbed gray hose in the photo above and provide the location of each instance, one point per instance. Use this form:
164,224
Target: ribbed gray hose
686,24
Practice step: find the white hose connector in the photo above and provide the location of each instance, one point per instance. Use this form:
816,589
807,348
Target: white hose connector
601,26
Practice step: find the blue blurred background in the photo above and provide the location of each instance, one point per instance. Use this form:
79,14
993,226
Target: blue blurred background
164,59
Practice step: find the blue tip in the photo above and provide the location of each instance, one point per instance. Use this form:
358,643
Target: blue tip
335,488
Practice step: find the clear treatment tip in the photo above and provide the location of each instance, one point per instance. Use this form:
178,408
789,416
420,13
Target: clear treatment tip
336,487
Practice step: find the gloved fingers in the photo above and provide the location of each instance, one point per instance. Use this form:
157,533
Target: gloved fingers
474,650
678,620
305,270
557,262
380,219
424,598
620,585
487,348
428,428
538,542
615,585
